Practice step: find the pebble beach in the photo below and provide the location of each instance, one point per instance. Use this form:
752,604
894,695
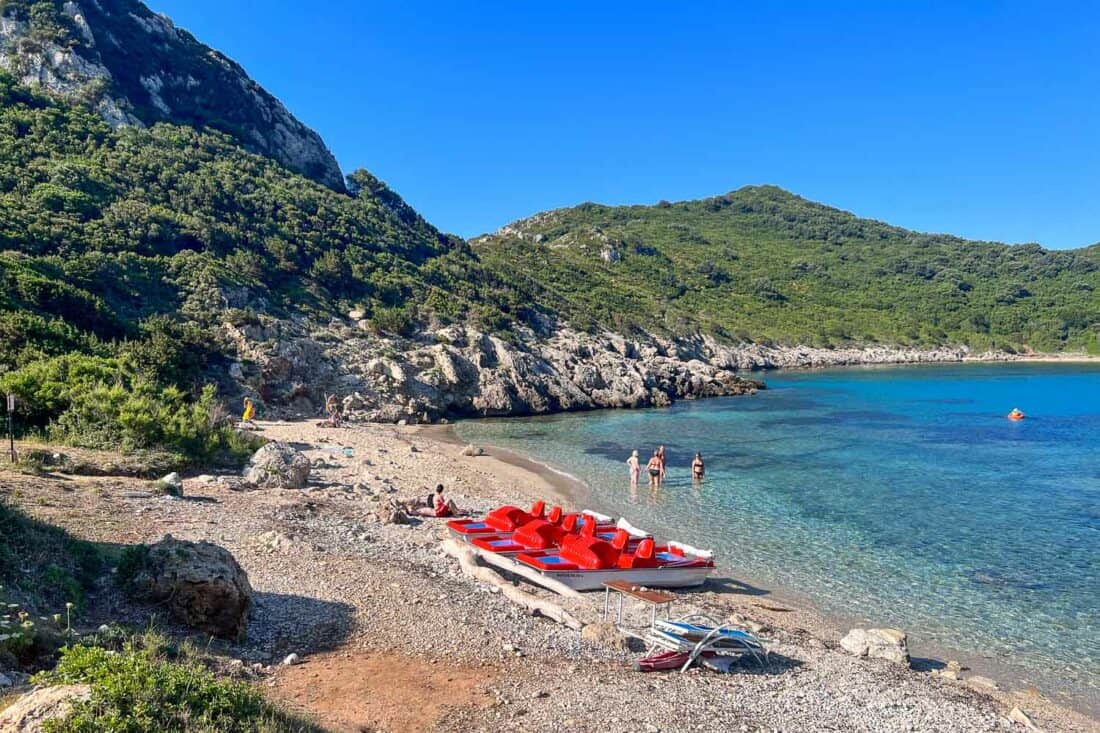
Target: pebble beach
389,635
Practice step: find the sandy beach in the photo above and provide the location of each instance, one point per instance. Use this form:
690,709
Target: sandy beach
393,637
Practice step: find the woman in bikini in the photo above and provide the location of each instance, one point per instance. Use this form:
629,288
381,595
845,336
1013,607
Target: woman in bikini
698,470
654,468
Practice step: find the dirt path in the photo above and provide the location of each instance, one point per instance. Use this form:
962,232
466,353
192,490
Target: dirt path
350,692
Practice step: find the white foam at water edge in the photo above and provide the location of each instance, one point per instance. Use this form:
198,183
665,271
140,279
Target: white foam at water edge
548,467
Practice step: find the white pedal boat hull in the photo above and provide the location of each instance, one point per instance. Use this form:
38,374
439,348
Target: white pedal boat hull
667,577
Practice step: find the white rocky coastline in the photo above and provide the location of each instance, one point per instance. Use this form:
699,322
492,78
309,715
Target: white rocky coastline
290,366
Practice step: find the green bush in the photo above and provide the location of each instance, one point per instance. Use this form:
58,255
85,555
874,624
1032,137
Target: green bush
130,563
139,690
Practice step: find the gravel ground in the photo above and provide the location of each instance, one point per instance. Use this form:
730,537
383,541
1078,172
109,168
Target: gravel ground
331,580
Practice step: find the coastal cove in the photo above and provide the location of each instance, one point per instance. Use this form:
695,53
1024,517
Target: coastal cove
888,495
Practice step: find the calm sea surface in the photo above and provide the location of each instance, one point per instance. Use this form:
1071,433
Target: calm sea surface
898,496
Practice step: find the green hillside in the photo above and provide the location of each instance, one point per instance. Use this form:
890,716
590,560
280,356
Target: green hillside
122,251
761,264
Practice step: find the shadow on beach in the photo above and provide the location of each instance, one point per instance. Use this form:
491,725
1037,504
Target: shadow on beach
284,623
727,585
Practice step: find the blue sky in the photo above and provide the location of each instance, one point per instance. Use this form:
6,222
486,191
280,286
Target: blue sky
977,118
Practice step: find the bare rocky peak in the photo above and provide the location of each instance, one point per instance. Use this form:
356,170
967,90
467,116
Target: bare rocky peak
136,67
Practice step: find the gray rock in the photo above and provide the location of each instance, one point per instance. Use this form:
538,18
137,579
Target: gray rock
5,681
31,712
200,583
137,83
278,466
171,484
290,660
889,644
605,634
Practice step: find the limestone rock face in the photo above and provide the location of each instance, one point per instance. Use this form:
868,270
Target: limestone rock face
278,466
202,584
458,371
889,644
30,712
137,68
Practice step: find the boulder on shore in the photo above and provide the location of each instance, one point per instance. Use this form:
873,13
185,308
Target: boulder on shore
889,644
31,712
278,466
606,634
201,584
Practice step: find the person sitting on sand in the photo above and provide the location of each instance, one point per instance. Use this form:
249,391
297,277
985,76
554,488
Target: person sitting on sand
635,469
654,468
442,506
697,468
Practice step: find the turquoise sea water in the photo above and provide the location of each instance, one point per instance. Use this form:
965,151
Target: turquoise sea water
896,495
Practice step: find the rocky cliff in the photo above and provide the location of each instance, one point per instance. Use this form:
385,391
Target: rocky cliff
459,371
136,68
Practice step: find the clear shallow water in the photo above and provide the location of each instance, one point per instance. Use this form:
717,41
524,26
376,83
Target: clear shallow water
897,495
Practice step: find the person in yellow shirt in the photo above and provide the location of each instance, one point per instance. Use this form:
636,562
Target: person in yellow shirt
249,410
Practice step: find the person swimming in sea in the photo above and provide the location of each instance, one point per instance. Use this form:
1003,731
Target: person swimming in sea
698,468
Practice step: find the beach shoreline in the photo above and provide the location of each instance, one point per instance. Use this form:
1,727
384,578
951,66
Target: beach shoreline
342,589
806,611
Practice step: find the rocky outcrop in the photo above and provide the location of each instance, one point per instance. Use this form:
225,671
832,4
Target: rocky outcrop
458,371
889,644
136,68
277,466
31,712
200,583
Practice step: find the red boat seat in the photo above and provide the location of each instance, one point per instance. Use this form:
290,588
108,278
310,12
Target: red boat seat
506,518
643,557
621,538
538,509
555,515
590,554
538,534
569,522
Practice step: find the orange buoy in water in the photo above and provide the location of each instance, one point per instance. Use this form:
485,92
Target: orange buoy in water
1016,414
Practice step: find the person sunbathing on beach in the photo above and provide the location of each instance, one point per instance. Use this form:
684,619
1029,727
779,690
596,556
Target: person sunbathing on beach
635,469
654,468
441,506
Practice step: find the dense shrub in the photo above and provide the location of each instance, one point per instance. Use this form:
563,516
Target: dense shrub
156,687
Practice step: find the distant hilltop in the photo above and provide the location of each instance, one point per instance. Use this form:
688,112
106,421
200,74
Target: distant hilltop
136,68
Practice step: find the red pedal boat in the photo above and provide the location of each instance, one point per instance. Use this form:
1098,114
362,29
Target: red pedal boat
502,520
586,563
543,534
